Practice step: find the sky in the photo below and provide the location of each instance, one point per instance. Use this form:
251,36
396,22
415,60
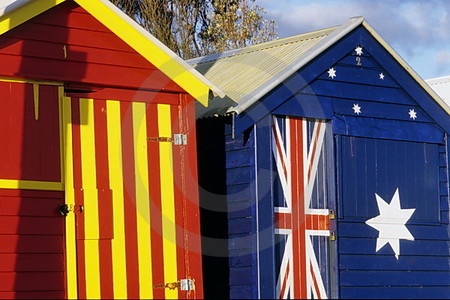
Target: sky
418,30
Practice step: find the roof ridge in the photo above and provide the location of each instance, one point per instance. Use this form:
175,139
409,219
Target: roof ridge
262,46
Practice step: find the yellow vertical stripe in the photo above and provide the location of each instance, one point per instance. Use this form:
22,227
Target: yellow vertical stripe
116,183
167,200
71,251
142,200
89,183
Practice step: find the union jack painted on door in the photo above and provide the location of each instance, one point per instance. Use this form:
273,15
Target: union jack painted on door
300,209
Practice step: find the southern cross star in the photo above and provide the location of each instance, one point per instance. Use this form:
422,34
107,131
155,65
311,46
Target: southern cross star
359,51
332,73
391,223
412,114
356,109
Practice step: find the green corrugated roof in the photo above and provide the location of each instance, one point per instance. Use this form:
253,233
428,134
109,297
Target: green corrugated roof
241,72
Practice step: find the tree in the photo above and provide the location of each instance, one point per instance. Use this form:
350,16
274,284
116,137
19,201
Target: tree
200,27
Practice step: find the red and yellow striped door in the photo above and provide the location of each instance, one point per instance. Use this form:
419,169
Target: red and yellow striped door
132,191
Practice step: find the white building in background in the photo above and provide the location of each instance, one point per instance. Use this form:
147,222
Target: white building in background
441,85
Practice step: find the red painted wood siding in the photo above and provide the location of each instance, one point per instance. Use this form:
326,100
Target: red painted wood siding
30,148
31,245
67,44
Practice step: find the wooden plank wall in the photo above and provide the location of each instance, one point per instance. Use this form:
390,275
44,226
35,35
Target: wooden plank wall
67,44
31,245
422,270
228,202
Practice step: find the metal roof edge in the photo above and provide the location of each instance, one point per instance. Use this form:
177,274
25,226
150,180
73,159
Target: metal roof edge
438,80
10,5
407,67
249,99
212,57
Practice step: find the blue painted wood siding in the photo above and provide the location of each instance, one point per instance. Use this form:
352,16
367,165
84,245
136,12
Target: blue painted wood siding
241,201
409,145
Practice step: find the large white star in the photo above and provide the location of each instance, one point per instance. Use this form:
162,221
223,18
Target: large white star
391,223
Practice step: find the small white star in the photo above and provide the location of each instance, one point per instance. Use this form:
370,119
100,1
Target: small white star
391,222
412,114
356,109
359,51
381,76
331,72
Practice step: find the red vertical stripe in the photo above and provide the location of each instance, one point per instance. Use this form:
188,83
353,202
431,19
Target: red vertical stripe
192,218
298,210
155,201
77,177
128,166
104,199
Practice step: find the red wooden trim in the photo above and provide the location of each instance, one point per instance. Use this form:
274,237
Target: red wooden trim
128,165
133,95
104,200
155,202
79,197
191,197
183,260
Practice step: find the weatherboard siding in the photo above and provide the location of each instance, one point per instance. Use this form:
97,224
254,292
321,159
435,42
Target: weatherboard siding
384,119
67,44
241,199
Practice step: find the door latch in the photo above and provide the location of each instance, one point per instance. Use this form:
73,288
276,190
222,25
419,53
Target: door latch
183,285
178,139
64,209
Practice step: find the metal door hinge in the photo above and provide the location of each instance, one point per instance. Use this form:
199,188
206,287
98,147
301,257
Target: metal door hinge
178,139
64,209
182,284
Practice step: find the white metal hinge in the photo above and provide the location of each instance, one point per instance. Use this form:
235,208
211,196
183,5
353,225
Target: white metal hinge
180,139
182,284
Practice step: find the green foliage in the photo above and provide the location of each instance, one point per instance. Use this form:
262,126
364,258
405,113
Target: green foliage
195,28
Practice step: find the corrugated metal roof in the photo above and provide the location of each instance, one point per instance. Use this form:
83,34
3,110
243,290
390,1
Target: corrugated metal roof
248,73
441,85
240,72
